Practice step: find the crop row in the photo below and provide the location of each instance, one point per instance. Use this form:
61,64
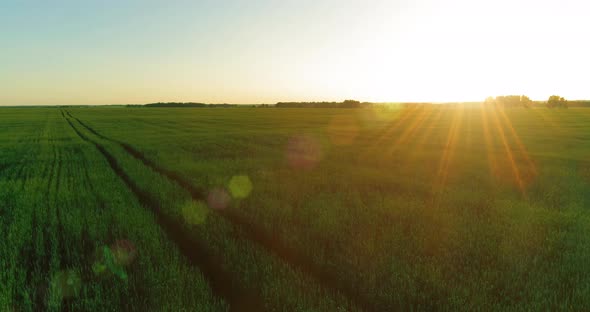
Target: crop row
74,238
427,208
255,274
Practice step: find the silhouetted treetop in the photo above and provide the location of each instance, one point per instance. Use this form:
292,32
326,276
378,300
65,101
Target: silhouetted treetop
556,101
344,104
507,101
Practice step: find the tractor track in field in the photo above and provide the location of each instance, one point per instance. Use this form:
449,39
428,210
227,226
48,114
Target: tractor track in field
19,174
51,207
40,258
87,245
221,282
85,242
28,252
251,232
58,213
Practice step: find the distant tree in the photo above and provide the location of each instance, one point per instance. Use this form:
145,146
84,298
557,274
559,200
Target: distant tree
507,101
555,101
351,104
490,101
345,104
525,101
578,103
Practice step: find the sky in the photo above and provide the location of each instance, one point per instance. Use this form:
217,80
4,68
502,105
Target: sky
266,51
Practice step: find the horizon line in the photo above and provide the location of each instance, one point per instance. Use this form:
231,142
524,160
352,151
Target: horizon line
262,103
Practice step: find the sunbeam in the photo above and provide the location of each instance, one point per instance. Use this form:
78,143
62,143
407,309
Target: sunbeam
488,141
516,138
449,148
406,114
508,151
427,134
411,130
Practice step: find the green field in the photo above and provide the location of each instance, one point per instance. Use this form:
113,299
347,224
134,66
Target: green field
435,207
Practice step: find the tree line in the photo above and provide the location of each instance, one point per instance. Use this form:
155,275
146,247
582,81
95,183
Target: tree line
187,104
508,101
343,104
503,101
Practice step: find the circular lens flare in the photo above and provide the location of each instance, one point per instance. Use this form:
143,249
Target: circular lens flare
124,252
195,212
218,199
66,284
240,186
303,152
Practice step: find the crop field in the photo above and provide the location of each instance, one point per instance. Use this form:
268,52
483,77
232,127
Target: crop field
401,207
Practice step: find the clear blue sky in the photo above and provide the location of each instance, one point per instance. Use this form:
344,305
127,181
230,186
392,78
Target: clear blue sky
100,52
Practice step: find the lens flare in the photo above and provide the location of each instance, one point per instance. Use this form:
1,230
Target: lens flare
508,151
111,264
411,130
377,116
195,212
303,152
99,268
107,263
218,199
386,133
66,284
449,149
124,252
426,135
240,186
492,162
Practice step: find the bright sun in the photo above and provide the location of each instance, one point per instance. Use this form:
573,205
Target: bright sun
456,51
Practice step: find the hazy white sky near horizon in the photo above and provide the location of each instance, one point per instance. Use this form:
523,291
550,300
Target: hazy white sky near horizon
106,52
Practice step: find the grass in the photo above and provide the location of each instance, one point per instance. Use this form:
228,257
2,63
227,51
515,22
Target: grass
62,209
401,208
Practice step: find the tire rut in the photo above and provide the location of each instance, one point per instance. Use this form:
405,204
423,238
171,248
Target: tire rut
42,233
220,281
252,232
